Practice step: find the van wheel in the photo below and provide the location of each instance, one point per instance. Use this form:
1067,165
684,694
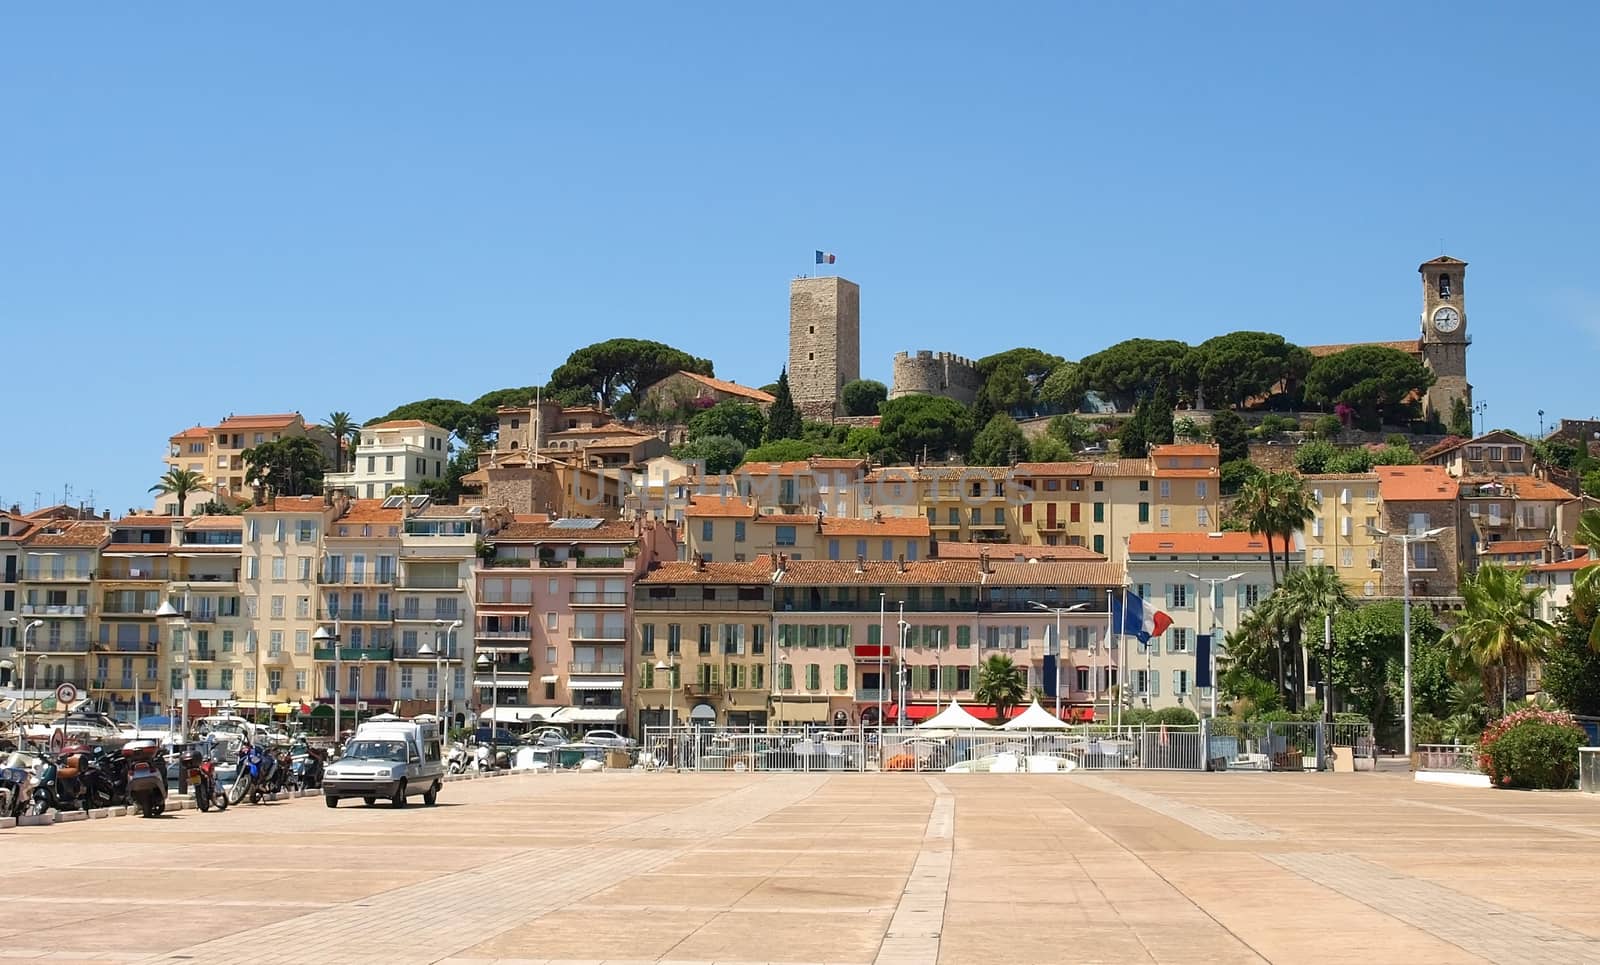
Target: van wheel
331,802
399,799
369,801
430,797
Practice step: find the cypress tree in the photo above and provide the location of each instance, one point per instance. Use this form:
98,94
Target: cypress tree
783,421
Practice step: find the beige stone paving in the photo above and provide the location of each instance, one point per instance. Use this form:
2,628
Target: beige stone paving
992,869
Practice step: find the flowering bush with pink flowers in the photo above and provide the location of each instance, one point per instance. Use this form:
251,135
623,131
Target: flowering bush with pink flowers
1531,748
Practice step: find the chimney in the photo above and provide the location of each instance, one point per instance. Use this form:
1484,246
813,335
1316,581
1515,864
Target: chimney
819,520
861,564
104,515
902,562
983,560
700,562
877,516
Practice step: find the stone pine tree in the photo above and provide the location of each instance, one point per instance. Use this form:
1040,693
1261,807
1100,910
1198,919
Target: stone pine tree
783,420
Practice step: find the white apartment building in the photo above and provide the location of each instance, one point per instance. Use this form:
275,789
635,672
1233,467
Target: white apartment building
404,452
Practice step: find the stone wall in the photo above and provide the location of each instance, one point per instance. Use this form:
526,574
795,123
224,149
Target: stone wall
824,342
935,373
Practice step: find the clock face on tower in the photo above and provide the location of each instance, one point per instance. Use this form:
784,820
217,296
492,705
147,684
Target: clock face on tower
1446,320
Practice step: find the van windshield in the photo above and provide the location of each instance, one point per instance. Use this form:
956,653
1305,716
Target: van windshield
370,750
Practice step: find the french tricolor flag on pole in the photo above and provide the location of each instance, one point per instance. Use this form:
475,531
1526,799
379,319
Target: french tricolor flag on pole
826,257
1135,618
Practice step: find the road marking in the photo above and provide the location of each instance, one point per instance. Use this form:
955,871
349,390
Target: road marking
1223,827
918,922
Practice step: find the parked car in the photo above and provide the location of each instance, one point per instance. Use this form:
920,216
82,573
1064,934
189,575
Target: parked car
609,738
500,736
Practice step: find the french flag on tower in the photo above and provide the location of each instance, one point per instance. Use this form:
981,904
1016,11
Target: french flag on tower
1133,617
826,257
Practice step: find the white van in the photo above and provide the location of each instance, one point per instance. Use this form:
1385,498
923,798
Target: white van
391,758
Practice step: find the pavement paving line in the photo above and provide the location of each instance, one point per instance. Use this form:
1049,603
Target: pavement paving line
1483,928
1223,827
1505,818
57,901
918,922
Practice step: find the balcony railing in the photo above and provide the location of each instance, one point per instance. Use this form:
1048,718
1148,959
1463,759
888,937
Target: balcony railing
430,583
695,688
128,576
508,562
600,636
125,646
49,576
504,667
870,695
347,578
504,634
76,645
123,683
55,610
205,655
356,654
1023,606
653,603
589,598
412,652
363,615
871,606
417,613
603,667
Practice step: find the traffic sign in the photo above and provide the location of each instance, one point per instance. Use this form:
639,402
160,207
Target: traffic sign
58,741
66,694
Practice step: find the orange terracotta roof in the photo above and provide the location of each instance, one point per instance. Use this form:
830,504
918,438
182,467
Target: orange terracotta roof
404,424
1562,566
523,531
1200,544
1410,346
195,432
214,523
1532,487
836,462
917,573
1061,573
788,519
1184,449
291,504
916,526
258,421
719,507
1415,484
370,511
83,534
144,520
1055,468
608,429
1511,547
1122,467
616,441
1012,551
1185,473
729,388
756,571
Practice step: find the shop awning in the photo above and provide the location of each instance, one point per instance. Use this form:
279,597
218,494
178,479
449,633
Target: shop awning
509,683
799,711
703,712
549,678
518,715
586,715
615,683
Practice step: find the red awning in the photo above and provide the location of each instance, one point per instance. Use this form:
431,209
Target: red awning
920,712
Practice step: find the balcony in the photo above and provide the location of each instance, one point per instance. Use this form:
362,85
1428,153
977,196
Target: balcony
55,610
698,689
588,598
1023,606
132,576
504,634
508,562
417,614
873,695
205,655
126,646
123,683
586,562
362,615
127,610
871,606
355,654
598,636
503,667
349,578
50,576
76,645
606,667
413,653
753,606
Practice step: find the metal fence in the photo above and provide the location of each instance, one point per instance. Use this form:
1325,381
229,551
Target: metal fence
1089,747
1287,745
1448,757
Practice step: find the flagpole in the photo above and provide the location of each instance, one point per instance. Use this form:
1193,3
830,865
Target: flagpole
1111,631
1120,711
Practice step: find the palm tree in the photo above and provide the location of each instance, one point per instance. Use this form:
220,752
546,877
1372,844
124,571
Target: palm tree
342,426
1002,684
1307,597
180,483
1498,635
1586,582
1277,505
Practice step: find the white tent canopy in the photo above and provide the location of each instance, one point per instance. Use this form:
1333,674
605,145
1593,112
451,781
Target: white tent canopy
954,717
1035,718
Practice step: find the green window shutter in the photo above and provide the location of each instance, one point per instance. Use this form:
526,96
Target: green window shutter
1099,512
1100,544
947,681
874,635
813,676
841,678
785,677
1144,512
964,638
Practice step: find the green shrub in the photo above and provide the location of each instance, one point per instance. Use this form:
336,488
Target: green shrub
1176,716
1138,716
1328,427
1531,749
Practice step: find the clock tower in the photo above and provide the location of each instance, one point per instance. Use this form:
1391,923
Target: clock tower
1444,334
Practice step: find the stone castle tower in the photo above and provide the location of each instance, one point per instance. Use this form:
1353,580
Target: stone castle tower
935,373
1444,333
824,342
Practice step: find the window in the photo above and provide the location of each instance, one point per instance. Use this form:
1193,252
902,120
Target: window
1316,527
280,570
550,621
1495,453
306,531
1179,642
833,549
706,530
277,608
1099,512
784,536
1144,512
275,642
785,677
1080,681
1318,557
1166,516
813,676
841,676
1144,485
300,680
674,637
1180,681
1252,594
1513,453
1100,544
278,531
758,638
738,531
1347,557
1202,517
1418,523
226,681
274,681
1444,286
227,641
1166,489
250,680
861,548
705,638
302,606
911,550
1474,453
1178,595
1052,485
647,638
302,641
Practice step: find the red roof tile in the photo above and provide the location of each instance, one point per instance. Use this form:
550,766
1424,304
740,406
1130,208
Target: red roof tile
719,507
195,432
84,534
756,571
1011,551
258,421
887,526
1184,449
1562,566
917,573
1409,484
1066,573
1083,468
729,388
291,504
1512,547
1200,544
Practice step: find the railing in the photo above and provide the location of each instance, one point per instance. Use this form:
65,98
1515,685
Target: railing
128,576
363,615
584,597
347,578
413,652
77,645
599,636
203,616
49,576
695,688
415,583
128,611
605,667
1091,605
124,646
871,606
417,613
598,562
869,695
756,606
55,610
515,666
509,562
205,655
356,654
1448,757
504,634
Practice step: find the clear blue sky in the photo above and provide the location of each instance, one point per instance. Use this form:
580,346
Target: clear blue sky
208,209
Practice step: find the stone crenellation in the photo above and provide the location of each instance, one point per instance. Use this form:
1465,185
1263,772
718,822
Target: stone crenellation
935,373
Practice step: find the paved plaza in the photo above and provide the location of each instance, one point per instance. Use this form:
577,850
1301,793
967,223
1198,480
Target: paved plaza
857,868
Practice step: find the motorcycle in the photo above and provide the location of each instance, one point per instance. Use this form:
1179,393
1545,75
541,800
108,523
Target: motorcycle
246,781
17,776
199,772
147,776
306,772
458,759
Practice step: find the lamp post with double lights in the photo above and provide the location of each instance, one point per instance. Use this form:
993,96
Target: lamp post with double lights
665,669
1405,540
1213,582
438,655
323,637
1058,610
178,620
22,667
494,705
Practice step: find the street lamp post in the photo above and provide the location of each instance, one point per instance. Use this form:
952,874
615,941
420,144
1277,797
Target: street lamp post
1057,610
494,705
783,665
22,671
1405,540
323,637
662,667
178,620
900,662
1215,623
438,654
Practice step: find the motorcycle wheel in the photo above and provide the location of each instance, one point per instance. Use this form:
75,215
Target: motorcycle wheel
255,795
221,801
202,798
239,789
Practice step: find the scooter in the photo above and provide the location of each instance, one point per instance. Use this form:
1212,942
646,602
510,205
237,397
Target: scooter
199,772
147,776
307,771
17,776
458,759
